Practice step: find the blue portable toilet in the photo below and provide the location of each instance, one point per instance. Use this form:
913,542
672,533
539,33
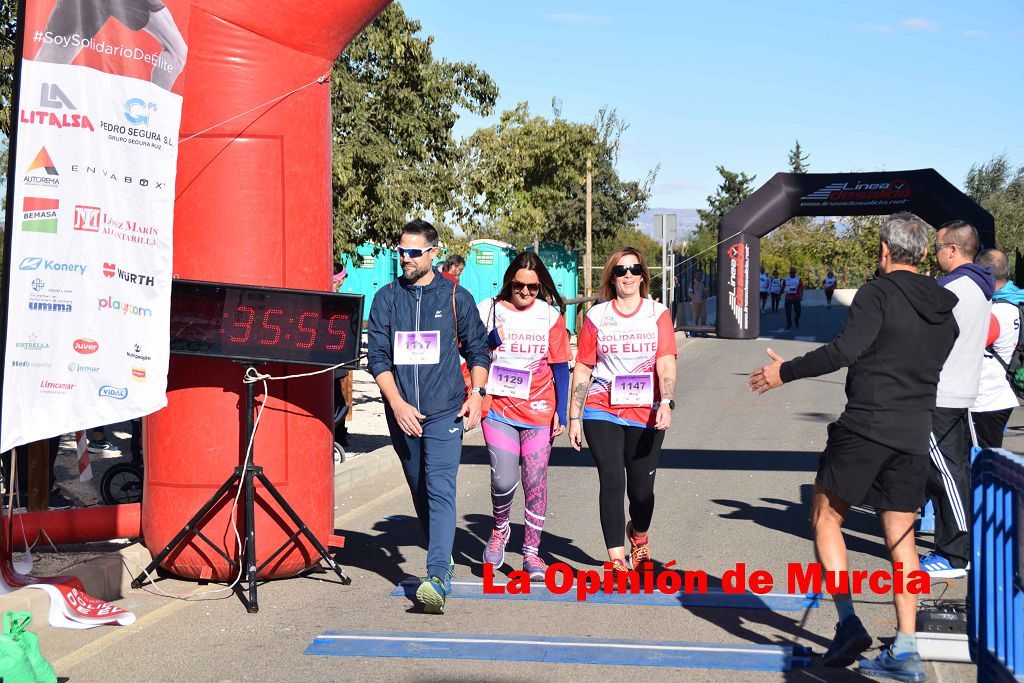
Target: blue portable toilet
486,264
562,264
369,273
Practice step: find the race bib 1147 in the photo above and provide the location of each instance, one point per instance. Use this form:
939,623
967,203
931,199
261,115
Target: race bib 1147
633,390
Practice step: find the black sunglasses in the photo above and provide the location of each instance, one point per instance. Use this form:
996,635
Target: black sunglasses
532,287
635,269
412,253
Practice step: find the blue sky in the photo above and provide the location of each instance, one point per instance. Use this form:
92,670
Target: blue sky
864,85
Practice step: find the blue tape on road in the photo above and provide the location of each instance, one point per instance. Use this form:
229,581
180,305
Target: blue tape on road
555,650
778,602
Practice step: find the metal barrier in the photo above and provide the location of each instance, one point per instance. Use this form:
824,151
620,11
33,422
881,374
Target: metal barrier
996,589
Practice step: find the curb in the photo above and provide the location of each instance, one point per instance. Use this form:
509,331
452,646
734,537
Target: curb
105,578
363,466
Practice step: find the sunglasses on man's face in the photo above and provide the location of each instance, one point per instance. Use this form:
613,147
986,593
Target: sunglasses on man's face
412,253
531,287
635,269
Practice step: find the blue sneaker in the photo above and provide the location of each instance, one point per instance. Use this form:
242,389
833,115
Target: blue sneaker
905,667
938,567
851,639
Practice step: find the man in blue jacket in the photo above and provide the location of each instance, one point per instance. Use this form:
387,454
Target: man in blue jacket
418,326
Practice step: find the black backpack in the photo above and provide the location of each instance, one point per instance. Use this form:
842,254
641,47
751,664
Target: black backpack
1015,368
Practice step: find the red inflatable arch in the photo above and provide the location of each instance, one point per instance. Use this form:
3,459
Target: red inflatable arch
253,207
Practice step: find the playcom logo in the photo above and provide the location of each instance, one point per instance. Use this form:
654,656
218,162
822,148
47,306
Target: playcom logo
107,391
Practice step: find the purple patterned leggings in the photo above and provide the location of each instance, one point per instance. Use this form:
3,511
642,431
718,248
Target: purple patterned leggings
511,449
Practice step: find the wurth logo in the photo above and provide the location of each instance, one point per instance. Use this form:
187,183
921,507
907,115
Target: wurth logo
87,218
109,269
139,279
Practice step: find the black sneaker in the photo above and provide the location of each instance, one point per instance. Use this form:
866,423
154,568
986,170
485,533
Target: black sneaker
58,501
102,447
851,640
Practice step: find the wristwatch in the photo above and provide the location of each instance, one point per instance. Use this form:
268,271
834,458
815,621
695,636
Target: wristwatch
479,390
671,404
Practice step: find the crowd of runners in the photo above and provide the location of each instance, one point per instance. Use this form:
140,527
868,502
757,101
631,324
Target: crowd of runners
921,355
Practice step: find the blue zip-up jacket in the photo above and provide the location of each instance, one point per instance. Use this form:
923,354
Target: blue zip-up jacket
433,390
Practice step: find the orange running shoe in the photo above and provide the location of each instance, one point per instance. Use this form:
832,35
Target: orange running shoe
639,547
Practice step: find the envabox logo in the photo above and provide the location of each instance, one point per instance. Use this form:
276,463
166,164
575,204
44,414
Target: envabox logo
85,346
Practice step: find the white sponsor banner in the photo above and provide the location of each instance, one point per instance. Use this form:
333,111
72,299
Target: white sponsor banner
89,302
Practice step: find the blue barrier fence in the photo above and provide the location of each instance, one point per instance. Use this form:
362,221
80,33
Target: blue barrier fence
996,591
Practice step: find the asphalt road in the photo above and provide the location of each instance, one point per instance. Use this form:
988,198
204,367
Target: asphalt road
733,486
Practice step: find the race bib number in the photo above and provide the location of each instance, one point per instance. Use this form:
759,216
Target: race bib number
511,382
633,390
417,348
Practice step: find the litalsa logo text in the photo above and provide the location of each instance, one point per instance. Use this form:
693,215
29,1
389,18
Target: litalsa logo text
119,393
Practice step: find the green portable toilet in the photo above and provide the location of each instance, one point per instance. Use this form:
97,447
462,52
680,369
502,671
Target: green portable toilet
369,273
562,264
486,264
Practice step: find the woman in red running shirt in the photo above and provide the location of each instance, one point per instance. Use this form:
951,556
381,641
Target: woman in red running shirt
528,388
626,355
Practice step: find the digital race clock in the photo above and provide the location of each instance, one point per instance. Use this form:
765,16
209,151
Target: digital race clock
265,323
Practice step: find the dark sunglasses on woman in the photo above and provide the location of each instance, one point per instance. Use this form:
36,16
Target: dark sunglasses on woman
532,287
635,269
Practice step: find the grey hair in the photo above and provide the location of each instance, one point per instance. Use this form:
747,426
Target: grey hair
996,262
907,237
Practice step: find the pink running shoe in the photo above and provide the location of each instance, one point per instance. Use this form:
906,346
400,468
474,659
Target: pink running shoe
494,553
535,567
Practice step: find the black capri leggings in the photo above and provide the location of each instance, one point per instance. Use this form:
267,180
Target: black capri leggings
627,462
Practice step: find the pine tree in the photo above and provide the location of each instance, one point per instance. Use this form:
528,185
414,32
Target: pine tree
798,160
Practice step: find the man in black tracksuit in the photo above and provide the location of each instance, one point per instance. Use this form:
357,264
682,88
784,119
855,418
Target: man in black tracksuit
418,326
898,332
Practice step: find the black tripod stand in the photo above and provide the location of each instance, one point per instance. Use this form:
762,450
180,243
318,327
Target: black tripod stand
245,475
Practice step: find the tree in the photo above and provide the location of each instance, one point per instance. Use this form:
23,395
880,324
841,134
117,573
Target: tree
798,160
8,26
999,188
524,179
394,106
733,189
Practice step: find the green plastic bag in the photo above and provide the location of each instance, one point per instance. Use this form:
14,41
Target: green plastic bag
20,658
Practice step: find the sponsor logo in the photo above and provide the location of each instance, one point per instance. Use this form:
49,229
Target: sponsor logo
135,135
39,214
123,307
48,387
42,172
118,177
30,364
109,269
139,374
119,393
47,118
738,266
50,306
35,263
52,97
138,111
33,344
48,299
87,218
894,191
137,354
78,367
38,285
95,219
85,345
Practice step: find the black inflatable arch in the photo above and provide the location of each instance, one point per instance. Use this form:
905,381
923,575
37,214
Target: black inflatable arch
923,192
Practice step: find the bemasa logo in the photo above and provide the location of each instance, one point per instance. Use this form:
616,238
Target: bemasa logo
119,393
42,172
137,111
85,346
39,214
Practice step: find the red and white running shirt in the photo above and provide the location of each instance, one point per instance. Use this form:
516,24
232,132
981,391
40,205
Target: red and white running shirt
531,339
613,343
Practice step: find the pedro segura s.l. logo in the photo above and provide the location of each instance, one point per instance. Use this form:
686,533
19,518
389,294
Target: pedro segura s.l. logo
118,393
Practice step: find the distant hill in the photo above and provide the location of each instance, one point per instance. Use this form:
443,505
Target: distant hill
686,218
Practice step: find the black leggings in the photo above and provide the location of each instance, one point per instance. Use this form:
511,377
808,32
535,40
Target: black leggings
627,462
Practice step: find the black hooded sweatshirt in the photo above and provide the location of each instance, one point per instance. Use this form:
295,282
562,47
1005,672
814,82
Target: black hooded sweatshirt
897,335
